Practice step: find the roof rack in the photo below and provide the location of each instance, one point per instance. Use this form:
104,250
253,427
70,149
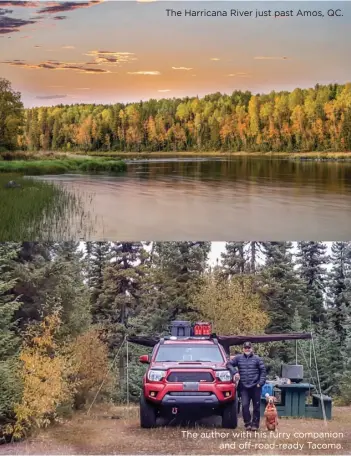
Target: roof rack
189,338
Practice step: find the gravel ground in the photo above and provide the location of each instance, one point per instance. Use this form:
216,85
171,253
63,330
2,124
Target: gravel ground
115,430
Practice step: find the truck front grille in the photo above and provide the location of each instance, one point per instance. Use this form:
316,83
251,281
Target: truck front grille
190,377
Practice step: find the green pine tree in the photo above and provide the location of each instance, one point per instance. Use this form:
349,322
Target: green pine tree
234,259
182,265
312,260
10,389
282,293
52,273
98,255
339,287
345,374
120,301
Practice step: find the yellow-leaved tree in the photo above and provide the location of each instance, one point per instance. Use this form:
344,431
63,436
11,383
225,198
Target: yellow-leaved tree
43,376
232,306
57,375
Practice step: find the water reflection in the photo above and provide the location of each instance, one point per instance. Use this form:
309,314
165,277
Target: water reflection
220,199
326,176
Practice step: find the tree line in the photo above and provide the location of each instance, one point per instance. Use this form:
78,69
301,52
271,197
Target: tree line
314,119
65,303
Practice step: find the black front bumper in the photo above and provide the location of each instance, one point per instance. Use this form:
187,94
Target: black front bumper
183,400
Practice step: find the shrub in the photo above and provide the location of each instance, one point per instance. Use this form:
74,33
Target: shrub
88,367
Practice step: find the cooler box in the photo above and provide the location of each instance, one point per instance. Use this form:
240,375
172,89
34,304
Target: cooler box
267,388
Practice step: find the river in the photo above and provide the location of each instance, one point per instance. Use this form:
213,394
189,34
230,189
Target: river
218,199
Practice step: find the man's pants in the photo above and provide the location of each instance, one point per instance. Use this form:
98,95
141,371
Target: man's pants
248,395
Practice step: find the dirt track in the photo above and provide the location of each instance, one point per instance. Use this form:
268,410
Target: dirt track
115,430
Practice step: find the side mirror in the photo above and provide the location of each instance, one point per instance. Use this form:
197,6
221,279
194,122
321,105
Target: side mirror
144,359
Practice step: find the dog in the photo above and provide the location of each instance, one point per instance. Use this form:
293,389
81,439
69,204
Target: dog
271,413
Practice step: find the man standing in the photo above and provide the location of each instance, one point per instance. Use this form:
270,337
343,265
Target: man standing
252,376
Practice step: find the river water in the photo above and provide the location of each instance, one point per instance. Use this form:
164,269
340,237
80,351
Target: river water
218,199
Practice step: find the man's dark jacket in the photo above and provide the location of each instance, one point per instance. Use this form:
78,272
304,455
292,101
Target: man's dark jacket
251,369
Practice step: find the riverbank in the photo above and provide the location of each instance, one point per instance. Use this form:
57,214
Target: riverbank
40,211
59,156
62,165
332,156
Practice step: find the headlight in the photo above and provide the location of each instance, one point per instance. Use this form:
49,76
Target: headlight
224,376
155,375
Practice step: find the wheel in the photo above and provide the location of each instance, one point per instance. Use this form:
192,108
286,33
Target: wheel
230,415
147,413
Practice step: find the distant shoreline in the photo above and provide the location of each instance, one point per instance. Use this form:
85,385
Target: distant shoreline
303,156
89,157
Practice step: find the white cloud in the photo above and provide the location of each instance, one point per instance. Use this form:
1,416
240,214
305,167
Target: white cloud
148,73
181,68
270,58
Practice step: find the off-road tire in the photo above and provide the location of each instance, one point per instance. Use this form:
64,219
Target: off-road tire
147,413
230,415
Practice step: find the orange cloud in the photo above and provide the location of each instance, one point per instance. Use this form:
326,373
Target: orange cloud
110,57
56,65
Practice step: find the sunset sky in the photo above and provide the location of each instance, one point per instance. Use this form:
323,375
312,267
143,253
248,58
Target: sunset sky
114,51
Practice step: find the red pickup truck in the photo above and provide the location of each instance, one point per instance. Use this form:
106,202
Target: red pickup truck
187,377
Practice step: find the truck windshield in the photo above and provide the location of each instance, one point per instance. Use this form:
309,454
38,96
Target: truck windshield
189,352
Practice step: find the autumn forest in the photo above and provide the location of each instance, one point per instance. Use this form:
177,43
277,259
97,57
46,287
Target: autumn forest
315,119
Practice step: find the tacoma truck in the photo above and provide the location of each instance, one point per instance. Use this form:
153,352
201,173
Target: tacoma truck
187,377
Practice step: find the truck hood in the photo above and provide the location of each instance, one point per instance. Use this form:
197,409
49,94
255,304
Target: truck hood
187,365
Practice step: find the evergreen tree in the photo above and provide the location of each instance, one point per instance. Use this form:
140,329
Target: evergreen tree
8,303
345,374
233,259
52,273
329,359
338,293
255,250
312,260
98,255
183,265
121,289
9,339
282,291
120,300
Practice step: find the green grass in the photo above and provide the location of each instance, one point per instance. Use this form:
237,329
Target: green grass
40,211
61,166
321,156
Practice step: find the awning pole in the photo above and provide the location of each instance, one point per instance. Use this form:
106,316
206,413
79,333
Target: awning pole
319,383
127,375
